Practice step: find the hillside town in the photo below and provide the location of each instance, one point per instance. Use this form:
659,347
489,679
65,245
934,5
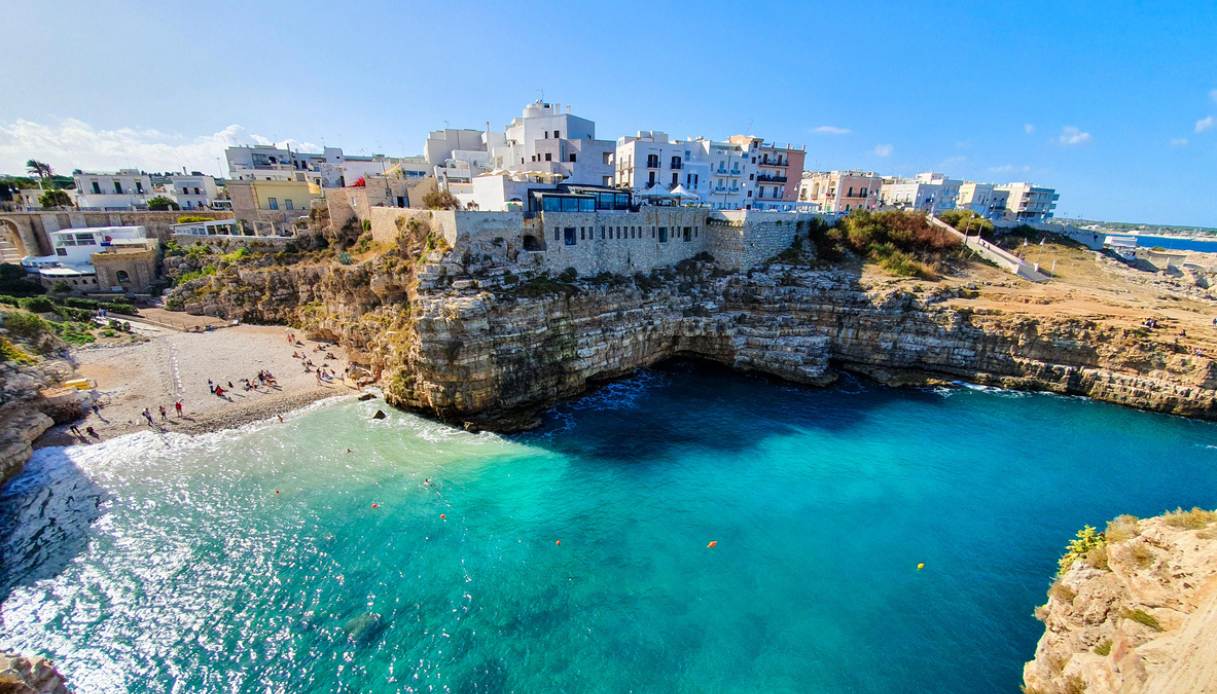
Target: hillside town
99,232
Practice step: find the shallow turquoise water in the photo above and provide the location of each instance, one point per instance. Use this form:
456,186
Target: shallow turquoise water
156,564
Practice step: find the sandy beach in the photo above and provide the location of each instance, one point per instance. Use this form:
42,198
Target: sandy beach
174,365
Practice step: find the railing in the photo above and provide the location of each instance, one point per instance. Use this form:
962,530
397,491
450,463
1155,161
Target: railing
771,178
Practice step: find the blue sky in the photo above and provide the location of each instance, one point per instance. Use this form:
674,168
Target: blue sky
1114,104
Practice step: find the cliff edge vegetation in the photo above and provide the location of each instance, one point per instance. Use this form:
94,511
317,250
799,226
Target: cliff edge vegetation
1133,609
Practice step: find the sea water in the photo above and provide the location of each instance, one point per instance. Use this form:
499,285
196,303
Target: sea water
338,553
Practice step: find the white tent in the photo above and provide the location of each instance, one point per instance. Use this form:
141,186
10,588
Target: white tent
656,191
683,193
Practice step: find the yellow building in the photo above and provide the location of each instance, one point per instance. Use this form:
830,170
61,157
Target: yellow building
272,196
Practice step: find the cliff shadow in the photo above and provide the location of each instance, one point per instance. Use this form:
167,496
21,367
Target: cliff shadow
687,403
46,512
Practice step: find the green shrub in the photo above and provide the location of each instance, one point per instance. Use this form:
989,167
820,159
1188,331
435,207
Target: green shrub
37,304
570,274
1103,648
13,281
74,333
235,256
903,243
160,203
968,220
25,325
188,218
1089,545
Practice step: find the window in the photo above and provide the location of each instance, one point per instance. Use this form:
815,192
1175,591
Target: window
675,162
118,187
196,191
606,158
96,188
650,178
139,187
569,233
663,234
272,203
290,204
185,190
548,156
572,157
688,234
557,234
122,276
675,179
557,133
652,161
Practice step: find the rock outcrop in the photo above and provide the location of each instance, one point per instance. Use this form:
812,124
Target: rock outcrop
458,335
20,674
25,412
1143,620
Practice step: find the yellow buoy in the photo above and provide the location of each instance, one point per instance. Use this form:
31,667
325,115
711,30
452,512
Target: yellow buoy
920,566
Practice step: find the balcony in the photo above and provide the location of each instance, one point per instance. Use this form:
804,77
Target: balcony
773,162
770,178
726,172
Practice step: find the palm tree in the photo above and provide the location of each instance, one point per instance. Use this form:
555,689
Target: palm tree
40,169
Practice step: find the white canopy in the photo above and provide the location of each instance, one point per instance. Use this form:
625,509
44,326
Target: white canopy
681,192
656,191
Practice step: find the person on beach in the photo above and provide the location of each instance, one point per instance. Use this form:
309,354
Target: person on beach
219,391
92,433
211,387
164,413
148,416
76,430
96,409
178,406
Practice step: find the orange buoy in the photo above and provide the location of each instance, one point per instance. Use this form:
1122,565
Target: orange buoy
375,505
557,542
712,544
443,517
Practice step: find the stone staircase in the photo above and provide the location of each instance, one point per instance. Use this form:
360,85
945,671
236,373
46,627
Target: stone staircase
999,256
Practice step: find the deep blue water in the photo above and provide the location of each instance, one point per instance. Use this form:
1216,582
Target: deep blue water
170,564
1178,244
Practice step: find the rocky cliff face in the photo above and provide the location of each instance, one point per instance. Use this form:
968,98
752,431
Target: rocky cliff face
461,337
1140,616
25,413
21,674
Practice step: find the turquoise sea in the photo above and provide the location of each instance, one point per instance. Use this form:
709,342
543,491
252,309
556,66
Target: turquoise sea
254,561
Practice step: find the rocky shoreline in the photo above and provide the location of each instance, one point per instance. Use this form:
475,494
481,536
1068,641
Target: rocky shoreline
492,352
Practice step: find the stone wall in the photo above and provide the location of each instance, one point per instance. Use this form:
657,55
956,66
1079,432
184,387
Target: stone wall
138,266
34,227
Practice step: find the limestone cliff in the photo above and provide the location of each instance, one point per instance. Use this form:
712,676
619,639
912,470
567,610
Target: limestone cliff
460,336
25,412
1137,615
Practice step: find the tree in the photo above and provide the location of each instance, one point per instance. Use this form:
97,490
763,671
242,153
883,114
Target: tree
441,200
160,202
40,169
54,198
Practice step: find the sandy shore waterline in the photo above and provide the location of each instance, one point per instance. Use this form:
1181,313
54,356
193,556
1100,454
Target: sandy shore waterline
173,365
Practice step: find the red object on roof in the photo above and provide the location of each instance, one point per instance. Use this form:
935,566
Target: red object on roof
359,183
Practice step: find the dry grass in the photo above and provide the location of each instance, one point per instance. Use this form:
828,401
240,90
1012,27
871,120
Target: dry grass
1103,648
1074,684
1194,519
1142,617
1062,592
1121,528
1142,555
1097,557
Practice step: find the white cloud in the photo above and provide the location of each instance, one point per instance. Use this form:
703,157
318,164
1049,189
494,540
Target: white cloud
1179,142
1072,135
1205,123
883,150
73,144
831,130
1029,128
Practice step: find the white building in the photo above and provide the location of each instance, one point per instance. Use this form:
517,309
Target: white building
731,174
928,192
1029,202
128,189
982,198
72,261
543,138
651,159
193,191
